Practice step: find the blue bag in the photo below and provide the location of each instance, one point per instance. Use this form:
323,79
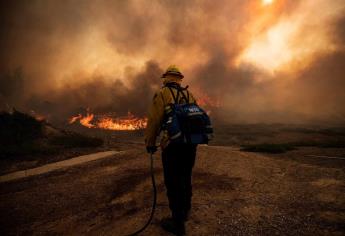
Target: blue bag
187,123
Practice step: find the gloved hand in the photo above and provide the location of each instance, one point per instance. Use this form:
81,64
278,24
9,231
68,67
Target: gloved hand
151,149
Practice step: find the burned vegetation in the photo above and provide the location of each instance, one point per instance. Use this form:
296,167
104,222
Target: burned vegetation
26,138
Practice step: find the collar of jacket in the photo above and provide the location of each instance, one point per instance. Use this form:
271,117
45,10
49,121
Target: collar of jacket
171,80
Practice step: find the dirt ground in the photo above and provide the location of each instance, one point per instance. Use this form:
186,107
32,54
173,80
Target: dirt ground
235,193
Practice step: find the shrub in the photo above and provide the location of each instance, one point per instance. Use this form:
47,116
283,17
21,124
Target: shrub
268,147
17,128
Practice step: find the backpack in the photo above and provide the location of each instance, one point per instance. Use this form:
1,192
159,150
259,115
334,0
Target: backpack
187,122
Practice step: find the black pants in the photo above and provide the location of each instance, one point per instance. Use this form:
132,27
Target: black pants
178,161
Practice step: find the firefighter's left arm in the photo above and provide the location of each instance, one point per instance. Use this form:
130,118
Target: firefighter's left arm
155,119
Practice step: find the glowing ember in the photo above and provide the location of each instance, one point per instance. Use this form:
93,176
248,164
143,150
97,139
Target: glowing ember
130,122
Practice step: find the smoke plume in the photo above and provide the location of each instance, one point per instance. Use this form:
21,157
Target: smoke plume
282,62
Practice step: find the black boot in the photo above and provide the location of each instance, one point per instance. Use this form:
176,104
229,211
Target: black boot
173,226
186,216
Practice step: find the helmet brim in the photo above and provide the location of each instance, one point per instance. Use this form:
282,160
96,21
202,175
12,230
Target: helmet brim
173,73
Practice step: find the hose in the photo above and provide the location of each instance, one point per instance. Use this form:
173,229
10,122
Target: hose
154,200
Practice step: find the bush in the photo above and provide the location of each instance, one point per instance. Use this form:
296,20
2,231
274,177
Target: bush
21,135
284,147
335,143
268,147
339,143
17,128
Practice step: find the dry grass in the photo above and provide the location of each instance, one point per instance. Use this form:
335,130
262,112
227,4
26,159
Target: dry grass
22,135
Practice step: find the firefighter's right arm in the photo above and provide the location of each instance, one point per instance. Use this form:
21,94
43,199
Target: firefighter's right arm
155,118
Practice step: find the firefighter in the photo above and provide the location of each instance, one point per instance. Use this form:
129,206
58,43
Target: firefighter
177,158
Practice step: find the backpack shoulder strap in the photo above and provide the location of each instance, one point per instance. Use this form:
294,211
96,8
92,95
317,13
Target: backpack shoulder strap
180,90
186,98
173,95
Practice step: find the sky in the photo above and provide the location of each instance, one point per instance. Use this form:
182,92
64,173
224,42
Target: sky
249,61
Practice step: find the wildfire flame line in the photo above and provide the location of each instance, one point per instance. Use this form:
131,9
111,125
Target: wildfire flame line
130,122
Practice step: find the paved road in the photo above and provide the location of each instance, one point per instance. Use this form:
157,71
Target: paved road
235,193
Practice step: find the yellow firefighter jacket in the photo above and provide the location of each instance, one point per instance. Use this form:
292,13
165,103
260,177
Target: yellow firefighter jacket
156,113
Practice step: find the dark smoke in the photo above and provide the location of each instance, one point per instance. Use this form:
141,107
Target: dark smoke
44,66
101,96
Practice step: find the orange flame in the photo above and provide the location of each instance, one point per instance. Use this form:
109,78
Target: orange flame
206,100
86,121
37,116
130,122
74,118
